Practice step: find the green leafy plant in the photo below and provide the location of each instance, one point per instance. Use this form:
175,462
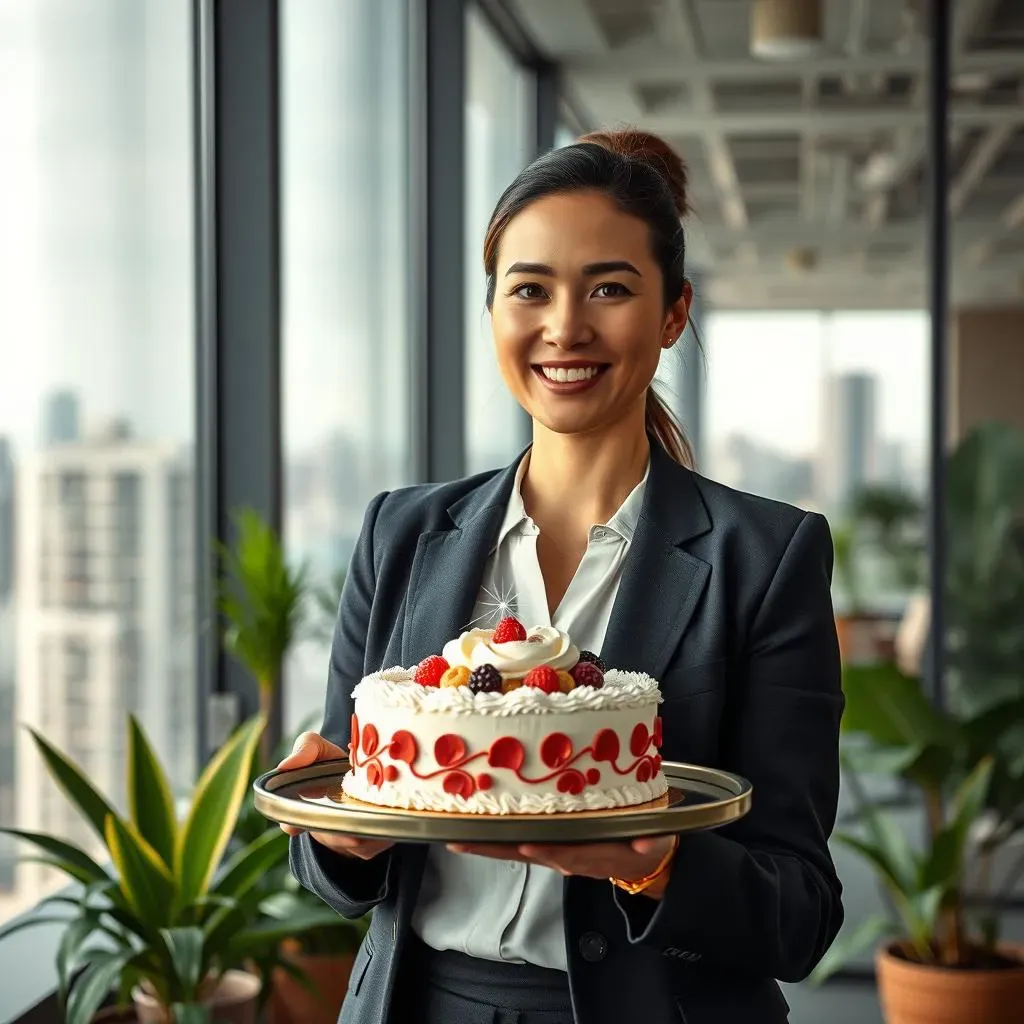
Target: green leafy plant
263,602
892,520
168,910
891,728
847,567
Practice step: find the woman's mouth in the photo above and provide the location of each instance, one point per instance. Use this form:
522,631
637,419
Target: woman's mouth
569,378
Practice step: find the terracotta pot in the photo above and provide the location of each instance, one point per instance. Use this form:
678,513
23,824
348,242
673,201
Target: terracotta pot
860,642
290,1003
921,994
232,1001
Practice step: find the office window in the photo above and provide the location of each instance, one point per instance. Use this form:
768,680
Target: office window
499,129
345,331
96,302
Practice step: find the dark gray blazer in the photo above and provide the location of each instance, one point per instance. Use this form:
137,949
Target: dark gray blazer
725,599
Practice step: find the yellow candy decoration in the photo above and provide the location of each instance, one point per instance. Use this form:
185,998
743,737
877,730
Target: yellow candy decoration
508,685
457,675
566,682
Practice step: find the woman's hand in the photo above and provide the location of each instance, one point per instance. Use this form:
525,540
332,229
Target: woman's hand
310,748
626,860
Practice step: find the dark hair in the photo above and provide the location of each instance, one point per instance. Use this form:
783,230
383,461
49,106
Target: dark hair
645,178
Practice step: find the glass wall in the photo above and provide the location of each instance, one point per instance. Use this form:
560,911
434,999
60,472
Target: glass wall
499,133
96,403
345,329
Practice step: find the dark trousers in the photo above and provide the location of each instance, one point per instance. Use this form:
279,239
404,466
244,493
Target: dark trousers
452,988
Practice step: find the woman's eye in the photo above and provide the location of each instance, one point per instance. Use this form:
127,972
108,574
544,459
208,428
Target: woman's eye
611,290
529,291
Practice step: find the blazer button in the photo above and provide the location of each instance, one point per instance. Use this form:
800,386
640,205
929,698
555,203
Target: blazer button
593,946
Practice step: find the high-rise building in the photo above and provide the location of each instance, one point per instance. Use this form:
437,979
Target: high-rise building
104,620
6,520
849,456
60,418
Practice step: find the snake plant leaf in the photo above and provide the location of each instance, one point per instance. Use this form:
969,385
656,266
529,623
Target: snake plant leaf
146,883
892,869
150,803
21,923
72,943
255,942
89,801
252,862
68,858
849,945
186,953
94,985
216,801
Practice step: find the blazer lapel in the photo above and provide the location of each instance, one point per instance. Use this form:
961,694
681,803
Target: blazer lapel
448,567
661,583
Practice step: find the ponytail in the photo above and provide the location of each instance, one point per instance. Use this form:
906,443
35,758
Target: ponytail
663,426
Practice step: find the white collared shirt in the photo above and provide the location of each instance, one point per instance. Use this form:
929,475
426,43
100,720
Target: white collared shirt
504,910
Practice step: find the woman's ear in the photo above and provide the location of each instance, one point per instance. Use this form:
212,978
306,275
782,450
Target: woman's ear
677,316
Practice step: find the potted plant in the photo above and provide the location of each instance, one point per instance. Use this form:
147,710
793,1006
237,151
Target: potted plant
165,918
263,602
855,625
935,956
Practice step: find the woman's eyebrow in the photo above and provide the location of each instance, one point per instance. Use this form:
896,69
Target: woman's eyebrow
590,270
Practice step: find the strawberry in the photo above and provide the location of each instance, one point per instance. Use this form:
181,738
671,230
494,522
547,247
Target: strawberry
509,629
543,678
429,670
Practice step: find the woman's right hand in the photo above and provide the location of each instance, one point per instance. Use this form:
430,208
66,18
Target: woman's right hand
309,748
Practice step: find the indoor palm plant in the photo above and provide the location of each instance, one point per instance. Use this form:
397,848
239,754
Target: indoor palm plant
165,916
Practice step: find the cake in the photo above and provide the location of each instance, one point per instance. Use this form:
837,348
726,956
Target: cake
506,721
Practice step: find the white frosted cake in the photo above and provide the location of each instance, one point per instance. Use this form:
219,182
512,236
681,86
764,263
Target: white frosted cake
506,721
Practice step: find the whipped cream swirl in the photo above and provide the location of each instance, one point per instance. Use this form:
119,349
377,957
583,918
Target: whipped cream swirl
544,645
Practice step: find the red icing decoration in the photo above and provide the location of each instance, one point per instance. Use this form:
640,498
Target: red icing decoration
449,749
639,740
353,734
606,745
370,740
593,776
484,781
643,771
403,747
657,761
657,731
571,781
390,773
506,752
459,784
556,749
373,773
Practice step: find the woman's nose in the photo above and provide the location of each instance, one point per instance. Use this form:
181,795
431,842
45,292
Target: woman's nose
567,326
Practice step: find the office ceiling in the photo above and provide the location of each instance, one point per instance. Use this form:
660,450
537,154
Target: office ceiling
808,176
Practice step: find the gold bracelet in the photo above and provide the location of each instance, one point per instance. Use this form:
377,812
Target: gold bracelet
640,884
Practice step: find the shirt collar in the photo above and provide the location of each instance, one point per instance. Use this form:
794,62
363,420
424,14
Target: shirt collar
623,523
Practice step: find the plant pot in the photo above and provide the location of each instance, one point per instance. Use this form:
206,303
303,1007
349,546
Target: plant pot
912,993
232,1001
290,1003
116,1015
860,639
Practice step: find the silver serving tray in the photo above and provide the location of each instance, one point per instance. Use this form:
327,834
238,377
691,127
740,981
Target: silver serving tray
312,798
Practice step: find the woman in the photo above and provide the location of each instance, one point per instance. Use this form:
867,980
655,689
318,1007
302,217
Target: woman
602,530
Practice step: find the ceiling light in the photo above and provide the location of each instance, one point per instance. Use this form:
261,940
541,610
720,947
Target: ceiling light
785,29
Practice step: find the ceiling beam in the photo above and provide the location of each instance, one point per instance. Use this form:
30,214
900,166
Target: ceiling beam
970,17
842,121
985,154
643,62
675,23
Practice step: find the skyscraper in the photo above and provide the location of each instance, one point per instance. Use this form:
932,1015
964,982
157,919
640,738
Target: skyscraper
104,620
849,457
60,418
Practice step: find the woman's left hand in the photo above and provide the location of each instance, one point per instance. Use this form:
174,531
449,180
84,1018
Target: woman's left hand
627,860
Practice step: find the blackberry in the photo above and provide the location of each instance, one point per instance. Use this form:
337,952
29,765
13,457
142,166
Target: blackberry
485,679
594,660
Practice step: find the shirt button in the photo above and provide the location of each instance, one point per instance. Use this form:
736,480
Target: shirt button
593,947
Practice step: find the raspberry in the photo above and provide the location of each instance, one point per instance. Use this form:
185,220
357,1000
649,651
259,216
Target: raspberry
485,679
590,656
508,630
543,678
586,673
429,670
